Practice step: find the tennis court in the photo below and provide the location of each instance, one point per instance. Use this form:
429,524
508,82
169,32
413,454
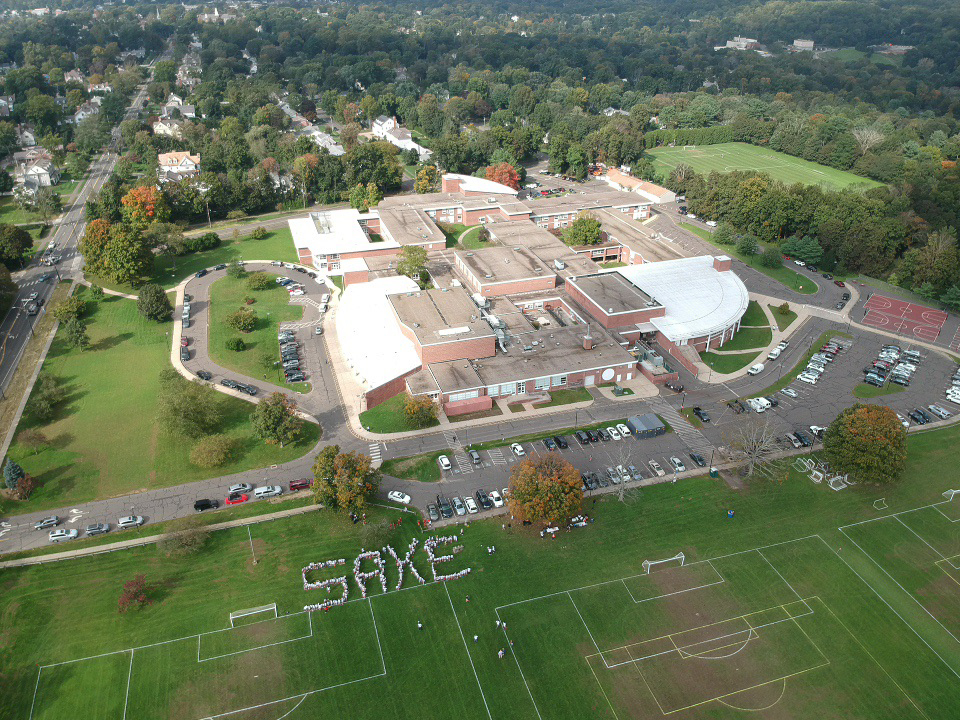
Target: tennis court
904,318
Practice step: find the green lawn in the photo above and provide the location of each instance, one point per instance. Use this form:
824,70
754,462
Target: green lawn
728,363
423,468
472,241
388,417
169,271
105,440
494,411
565,397
272,306
612,264
727,157
754,316
790,612
748,338
783,321
452,232
13,215
865,390
789,376
793,280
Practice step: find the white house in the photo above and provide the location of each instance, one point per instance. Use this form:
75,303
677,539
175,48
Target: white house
26,135
323,140
36,173
88,109
169,127
103,87
388,129
174,166
6,105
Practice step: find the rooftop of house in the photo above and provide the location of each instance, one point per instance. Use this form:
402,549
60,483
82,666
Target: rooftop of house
409,225
502,264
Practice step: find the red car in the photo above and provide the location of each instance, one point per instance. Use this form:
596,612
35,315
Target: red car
839,283
237,498
301,484
184,342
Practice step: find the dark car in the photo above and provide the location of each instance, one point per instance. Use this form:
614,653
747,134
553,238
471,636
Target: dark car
803,438
699,412
485,502
772,400
204,375
221,266
549,444
604,435
582,437
561,443
698,459
301,484
827,276
201,273
923,414
446,509
917,418
184,354
845,296
900,380
813,268
594,435
226,382
840,305
295,377
432,512
205,504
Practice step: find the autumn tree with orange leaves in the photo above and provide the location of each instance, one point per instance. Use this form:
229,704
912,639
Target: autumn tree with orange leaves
868,442
144,205
505,174
546,489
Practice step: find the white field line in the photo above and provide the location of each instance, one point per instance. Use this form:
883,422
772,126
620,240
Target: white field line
585,626
467,648
35,688
942,557
126,697
376,633
517,661
602,690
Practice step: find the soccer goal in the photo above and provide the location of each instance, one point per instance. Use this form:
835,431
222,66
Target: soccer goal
269,610
648,564
689,147
950,494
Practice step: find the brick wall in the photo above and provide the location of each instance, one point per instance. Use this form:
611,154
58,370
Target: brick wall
612,321
381,394
675,353
470,405
449,184
378,252
520,286
355,276
305,257
471,348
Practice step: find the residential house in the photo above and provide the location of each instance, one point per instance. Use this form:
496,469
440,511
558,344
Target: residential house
87,110
654,193
170,127
173,100
611,111
74,76
388,129
103,87
37,173
323,140
6,105
174,166
187,111
26,135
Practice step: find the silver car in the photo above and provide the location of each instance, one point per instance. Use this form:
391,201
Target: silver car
458,505
240,488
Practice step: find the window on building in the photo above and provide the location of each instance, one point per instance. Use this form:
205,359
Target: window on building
542,383
508,389
493,390
465,395
558,380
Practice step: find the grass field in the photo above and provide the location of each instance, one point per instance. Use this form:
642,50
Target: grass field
865,390
774,613
727,157
105,442
783,321
748,338
388,417
423,468
272,307
728,363
754,316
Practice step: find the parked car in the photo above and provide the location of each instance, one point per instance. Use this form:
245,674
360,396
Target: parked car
130,521
267,491
205,504
803,438
677,463
237,498
475,457
201,273
624,430
594,436
604,435
549,443
62,534
698,459
701,414
561,442
301,484
446,509
755,369
582,437
496,498
613,433
240,488
47,522
518,449
789,392
471,505
444,462
458,507
96,529
432,512
655,466
484,500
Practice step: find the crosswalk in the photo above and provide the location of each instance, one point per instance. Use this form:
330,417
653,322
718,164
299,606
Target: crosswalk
459,454
691,436
375,454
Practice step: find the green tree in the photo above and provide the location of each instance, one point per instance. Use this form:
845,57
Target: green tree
868,442
12,474
748,245
14,242
275,420
188,408
373,162
344,481
244,320
126,257
358,198
213,451
412,262
235,344
576,161
70,308
374,195
75,332
545,490
584,230
47,394
153,303
260,281
951,298
420,410
770,257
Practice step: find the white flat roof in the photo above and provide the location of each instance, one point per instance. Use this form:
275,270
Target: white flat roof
334,232
698,300
469,183
370,338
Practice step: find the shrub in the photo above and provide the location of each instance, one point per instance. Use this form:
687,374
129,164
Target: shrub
236,271
244,320
236,215
153,303
784,309
259,233
47,394
186,535
134,595
260,281
771,257
96,292
236,344
32,439
70,308
212,451
207,241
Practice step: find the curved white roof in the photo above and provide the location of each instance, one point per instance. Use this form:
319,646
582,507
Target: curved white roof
469,183
370,338
698,300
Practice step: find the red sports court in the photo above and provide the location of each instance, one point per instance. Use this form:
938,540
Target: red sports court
904,318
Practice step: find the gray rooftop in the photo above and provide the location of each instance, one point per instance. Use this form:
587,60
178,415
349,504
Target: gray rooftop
614,293
504,264
437,316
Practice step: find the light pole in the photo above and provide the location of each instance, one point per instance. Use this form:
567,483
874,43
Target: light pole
204,190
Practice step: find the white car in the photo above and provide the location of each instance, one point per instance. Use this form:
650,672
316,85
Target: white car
518,450
240,488
789,392
398,497
691,216
624,430
444,462
810,379
801,263
677,464
62,534
471,505
903,420
711,223
817,430
657,470
281,279
755,369
130,521
496,498
613,432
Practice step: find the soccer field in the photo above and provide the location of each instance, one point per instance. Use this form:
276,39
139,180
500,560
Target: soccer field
727,157
804,605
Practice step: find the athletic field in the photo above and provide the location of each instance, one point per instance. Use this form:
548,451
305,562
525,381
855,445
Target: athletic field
808,603
727,157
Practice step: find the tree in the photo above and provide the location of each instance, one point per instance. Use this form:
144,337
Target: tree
12,474
545,490
867,138
584,230
374,195
373,162
951,298
344,481
724,234
153,303
47,394
144,205
134,594
187,408
770,258
748,245
32,438
753,441
259,233
243,320
358,198
783,308
127,257
46,203
259,281
213,451
275,420
14,242
70,308
75,331
413,260
868,442
184,536
236,271
235,344
420,410
93,245
428,180
505,174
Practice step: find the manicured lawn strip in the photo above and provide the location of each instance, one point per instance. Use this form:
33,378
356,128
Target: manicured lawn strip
866,391
272,307
423,468
728,363
691,418
389,417
789,377
105,441
793,280
783,321
748,338
727,157
533,437
452,232
10,213
65,611
612,264
168,271
754,316
566,397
